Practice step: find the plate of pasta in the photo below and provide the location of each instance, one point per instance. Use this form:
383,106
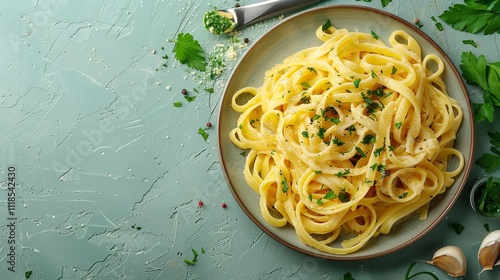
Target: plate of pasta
345,133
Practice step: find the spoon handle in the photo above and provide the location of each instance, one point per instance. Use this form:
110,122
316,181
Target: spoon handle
249,14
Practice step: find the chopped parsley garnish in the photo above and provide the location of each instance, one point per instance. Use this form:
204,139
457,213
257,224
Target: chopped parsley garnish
27,274
343,173
311,69
337,142
329,195
378,151
321,132
284,185
344,196
317,171
360,152
305,134
369,138
439,25
319,201
310,196
394,70
470,42
194,259
356,82
326,25
203,133
188,51
305,85
486,227
458,228
374,35
216,23
177,104
189,98
398,125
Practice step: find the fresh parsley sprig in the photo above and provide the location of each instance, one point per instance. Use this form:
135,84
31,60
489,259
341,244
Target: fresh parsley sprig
477,71
474,16
491,161
189,51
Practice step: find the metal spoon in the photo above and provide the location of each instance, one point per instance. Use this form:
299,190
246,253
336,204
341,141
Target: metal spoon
224,21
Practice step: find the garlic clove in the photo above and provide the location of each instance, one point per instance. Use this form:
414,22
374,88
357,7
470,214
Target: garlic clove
451,260
489,251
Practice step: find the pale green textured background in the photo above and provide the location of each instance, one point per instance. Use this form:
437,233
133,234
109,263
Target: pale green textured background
86,113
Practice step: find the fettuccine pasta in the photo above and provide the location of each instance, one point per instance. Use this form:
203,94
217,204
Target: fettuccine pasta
349,137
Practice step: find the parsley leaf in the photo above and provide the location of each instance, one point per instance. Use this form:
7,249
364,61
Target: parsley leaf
491,161
474,16
476,70
203,133
385,2
188,51
326,25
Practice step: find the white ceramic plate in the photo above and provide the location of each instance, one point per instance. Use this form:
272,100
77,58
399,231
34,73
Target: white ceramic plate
297,33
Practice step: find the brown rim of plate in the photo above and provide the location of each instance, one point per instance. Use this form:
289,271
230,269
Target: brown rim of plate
465,172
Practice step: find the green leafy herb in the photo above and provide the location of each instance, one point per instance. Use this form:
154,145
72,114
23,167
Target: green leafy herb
439,25
305,134
474,16
203,133
177,104
488,161
348,276
188,51
337,142
378,151
194,259
470,42
311,69
374,35
344,196
489,197
321,132
27,274
356,82
398,125
305,85
360,152
343,173
329,195
319,201
209,90
284,185
458,228
385,2
326,25
369,138
394,70
189,98
310,196
477,71
486,227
